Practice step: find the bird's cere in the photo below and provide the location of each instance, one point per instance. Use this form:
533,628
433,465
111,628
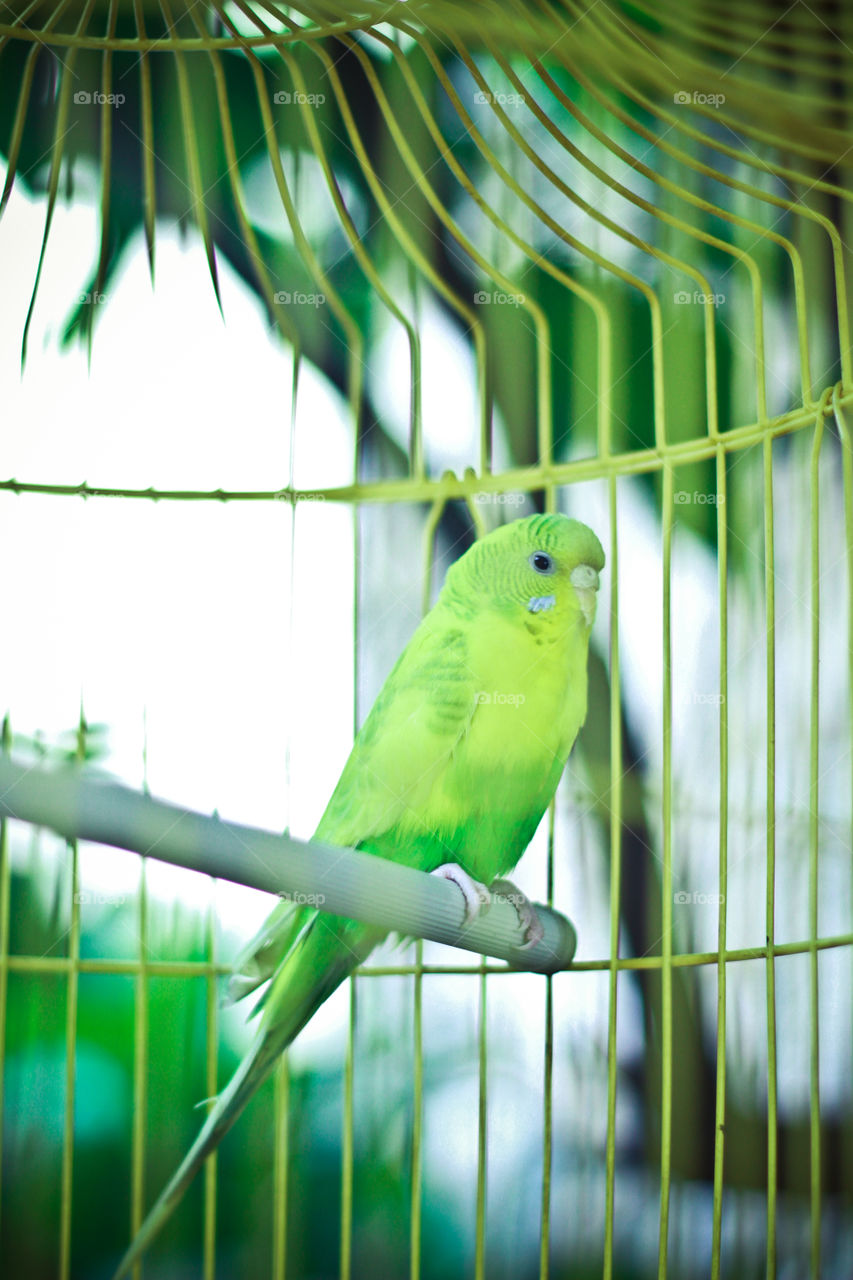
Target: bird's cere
538,604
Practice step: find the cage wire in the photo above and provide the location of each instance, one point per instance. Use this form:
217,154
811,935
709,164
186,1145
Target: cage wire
624,229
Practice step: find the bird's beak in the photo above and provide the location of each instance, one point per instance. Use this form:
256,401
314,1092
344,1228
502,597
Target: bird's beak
585,581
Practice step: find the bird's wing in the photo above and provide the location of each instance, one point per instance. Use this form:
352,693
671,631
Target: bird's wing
421,714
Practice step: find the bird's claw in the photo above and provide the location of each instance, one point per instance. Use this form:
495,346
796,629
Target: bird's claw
534,930
478,898
476,895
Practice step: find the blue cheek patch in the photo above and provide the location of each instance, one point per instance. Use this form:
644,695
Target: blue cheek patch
538,604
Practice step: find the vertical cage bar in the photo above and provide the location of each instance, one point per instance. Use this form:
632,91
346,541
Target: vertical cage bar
843,428
280,1160
770,900
548,1065
548,1083
140,1065
814,798
666,884
71,1041
417,1119
418,979
720,1100
615,882
140,1039
281,1104
211,1086
547,1131
5,896
417,455
70,1069
482,1134
347,1139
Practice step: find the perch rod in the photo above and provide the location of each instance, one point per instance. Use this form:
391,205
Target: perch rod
343,881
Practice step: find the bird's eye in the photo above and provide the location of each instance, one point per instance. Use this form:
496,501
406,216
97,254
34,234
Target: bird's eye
542,562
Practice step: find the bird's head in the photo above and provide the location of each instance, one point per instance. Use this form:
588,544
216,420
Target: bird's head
541,565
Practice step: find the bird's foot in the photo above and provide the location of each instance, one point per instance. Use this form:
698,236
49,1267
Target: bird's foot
534,930
476,895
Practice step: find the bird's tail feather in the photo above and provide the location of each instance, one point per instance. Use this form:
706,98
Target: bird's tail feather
307,977
247,1078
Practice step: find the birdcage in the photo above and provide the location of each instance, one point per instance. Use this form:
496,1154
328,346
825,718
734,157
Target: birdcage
308,297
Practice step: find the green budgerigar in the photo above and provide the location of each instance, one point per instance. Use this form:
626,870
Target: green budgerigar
450,773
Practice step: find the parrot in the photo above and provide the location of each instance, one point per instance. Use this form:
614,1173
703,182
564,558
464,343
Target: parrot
451,773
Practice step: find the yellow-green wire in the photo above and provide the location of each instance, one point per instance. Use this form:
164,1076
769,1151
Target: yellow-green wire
814,820
5,896
666,884
482,1132
770,899
720,1101
211,1084
347,1153
280,1162
615,882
